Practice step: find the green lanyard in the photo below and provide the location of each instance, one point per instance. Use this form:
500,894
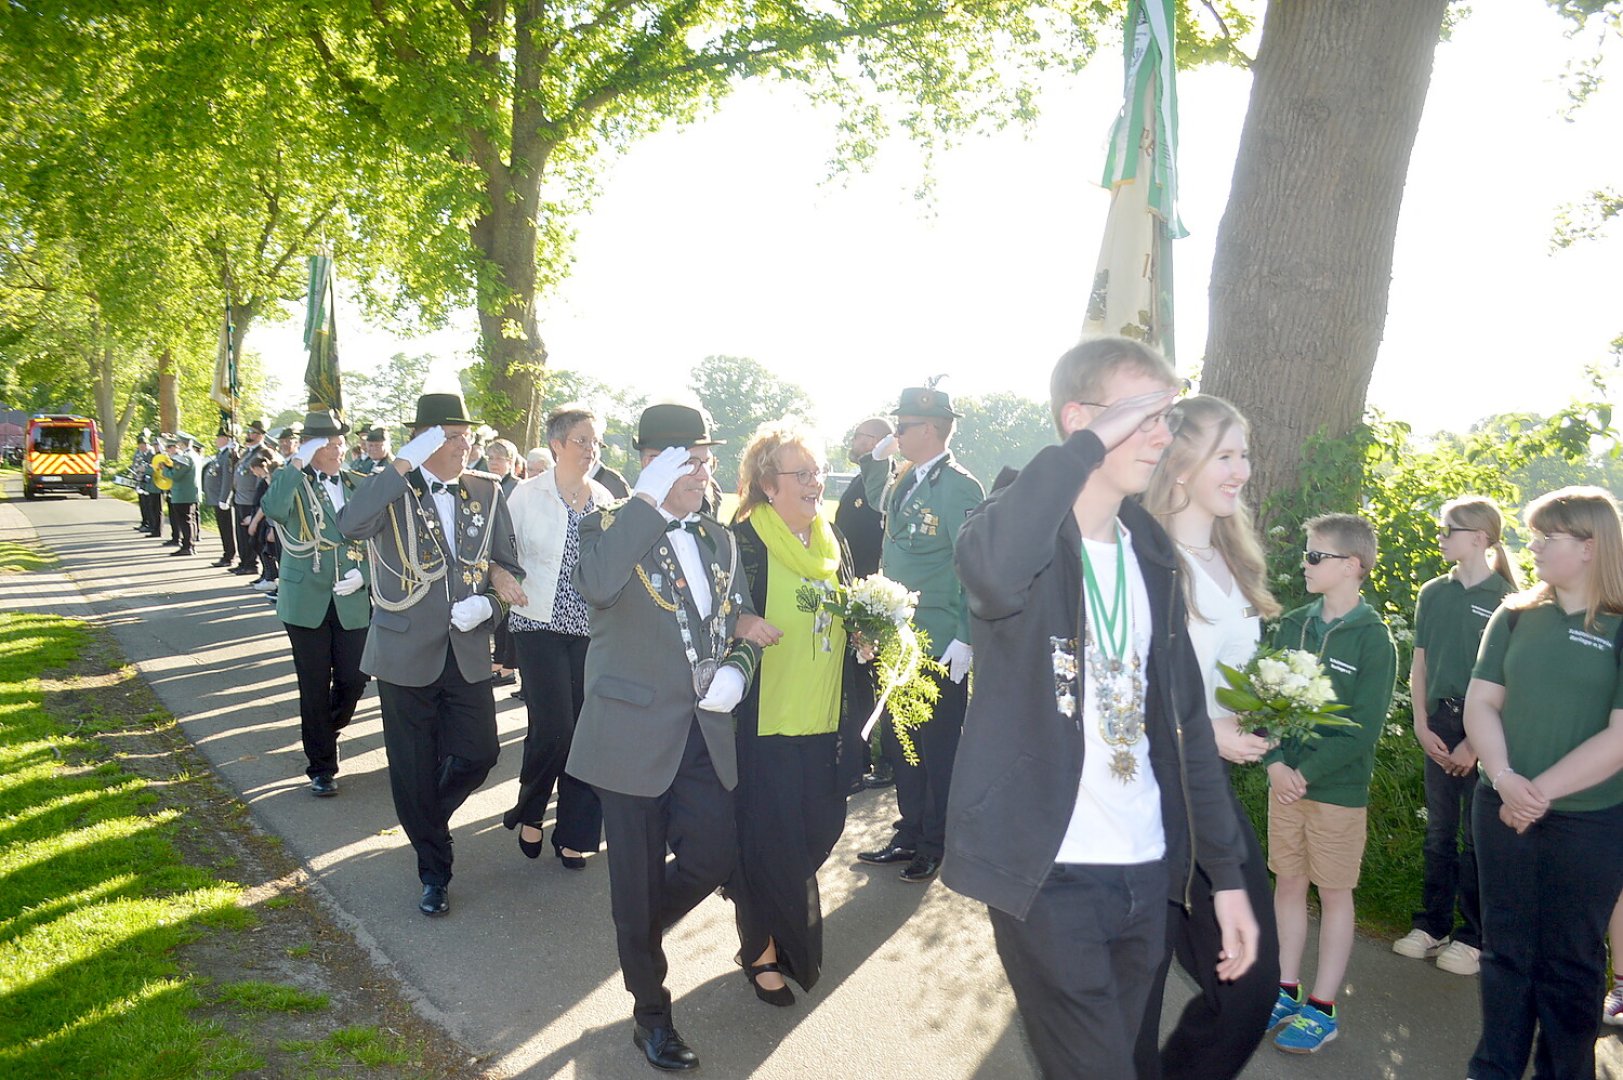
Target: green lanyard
1109,627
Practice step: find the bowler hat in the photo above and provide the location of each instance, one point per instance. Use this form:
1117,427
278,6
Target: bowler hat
925,401
259,426
670,424
292,431
226,430
435,409
326,422
376,433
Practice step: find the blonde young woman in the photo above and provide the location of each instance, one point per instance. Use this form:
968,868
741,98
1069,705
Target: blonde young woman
1544,714
1196,496
790,807
1450,615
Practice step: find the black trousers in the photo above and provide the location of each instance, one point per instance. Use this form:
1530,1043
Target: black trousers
1546,897
327,661
225,519
554,669
1081,964
441,741
183,523
921,790
268,550
174,523
247,549
858,688
151,505
1222,1025
1450,851
694,819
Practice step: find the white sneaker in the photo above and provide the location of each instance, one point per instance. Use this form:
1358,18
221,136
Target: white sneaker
1458,958
1418,945
1612,1012
265,586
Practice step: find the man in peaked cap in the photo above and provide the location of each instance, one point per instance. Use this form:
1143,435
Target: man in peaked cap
440,538
377,454
243,484
185,473
655,736
923,505
218,484
322,596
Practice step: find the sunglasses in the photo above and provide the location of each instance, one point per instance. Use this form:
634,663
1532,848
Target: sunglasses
1449,530
1314,558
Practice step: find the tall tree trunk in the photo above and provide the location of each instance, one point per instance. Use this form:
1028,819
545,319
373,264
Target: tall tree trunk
1303,260
106,402
168,391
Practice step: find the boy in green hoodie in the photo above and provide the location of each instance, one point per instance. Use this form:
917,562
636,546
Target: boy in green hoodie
1319,788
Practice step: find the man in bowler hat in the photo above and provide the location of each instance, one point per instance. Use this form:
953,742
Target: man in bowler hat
243,485
377,454
322,595
655,737
922,506
437,536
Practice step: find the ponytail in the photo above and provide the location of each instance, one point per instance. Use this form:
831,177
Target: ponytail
1502,564
1479,513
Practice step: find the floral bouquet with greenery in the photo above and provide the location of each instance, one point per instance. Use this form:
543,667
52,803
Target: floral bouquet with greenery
1282,695
878,615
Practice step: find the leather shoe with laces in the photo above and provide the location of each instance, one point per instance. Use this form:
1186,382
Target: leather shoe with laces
923,868
664,1049
323,786
434,901
893,853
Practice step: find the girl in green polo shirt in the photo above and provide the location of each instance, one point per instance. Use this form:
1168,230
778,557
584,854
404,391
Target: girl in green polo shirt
1545,714
1449,619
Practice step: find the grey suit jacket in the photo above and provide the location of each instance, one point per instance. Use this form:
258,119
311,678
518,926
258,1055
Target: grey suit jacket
411,606
640,701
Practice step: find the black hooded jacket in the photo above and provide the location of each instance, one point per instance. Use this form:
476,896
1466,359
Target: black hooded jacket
1019,763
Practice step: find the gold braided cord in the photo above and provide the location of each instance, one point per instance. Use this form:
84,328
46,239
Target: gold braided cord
315,539
415,578
653,592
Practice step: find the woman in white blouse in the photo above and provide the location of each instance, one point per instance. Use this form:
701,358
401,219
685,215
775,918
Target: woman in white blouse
550,633
1195,494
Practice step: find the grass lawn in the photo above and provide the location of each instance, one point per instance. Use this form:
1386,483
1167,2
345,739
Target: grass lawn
124,949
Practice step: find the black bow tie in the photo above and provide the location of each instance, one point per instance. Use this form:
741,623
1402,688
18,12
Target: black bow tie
436,487
325,479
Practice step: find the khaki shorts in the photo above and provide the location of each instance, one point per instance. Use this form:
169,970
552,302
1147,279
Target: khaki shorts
1319,841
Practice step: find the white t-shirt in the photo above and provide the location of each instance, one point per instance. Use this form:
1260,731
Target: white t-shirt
1227,629
1113,822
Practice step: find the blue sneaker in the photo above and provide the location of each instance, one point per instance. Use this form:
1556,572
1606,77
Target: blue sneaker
1308,1032
1285,1008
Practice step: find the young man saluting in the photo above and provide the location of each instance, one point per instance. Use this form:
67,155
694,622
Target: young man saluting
1087,776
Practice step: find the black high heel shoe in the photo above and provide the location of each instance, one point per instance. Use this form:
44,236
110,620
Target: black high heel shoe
782,997
570,862
531,848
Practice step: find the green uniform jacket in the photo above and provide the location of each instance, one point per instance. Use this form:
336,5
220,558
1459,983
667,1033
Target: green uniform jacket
1358,654
185,473
301,510
920,530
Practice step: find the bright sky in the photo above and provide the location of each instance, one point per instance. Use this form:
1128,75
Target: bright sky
722,238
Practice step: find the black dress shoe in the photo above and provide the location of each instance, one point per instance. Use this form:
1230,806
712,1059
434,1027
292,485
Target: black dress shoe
893,853
246,570
923,868
181,551
531,848
519,693
570,862
323,786
499,679
170,543
782,997
664,1049
222,562
882,776
434,901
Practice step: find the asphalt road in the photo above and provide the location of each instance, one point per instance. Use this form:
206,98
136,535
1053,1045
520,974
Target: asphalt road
523,970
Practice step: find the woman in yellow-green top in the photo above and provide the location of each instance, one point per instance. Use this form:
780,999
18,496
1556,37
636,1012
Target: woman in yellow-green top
789,804
1544,713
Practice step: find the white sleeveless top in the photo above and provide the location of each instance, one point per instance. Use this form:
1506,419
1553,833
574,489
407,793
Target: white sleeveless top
1227,629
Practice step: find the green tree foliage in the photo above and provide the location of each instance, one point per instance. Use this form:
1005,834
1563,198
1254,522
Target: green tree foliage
741,395
387,396
998,431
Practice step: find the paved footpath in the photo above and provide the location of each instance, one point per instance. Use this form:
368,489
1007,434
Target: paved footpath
523,970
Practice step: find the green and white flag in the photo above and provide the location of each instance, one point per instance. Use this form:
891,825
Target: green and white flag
321,375
223,390
1132,285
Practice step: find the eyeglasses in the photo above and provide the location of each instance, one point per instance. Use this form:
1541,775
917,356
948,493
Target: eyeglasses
1314,558
900,428
591,446
807,477
1544,538
1446,531
1172,415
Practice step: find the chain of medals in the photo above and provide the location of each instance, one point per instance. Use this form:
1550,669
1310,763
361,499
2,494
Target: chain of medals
416,577
704,668
313,517
1112,672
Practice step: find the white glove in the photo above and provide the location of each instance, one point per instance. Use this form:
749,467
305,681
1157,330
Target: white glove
226,505
885,448
957,658
471,611
349,583
659,475
307,449
726,689
422,447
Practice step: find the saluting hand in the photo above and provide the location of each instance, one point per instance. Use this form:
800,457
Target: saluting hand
1120,420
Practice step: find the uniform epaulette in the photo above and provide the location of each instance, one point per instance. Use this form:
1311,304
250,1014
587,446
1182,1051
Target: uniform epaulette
492,477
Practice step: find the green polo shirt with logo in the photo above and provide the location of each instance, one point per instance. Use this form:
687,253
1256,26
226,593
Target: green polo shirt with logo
1448,623
1561,684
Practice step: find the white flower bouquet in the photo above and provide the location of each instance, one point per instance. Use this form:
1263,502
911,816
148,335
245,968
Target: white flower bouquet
878,614
1282,695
